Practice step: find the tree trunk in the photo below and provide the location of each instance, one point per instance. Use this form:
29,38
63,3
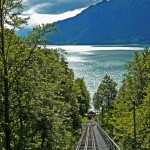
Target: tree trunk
102,115
43,139
7,121
5,80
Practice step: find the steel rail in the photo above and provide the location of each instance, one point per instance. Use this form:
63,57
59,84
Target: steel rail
88,139
93,141
110,143
81,139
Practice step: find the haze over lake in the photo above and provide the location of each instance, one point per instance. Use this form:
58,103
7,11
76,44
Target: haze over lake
93,62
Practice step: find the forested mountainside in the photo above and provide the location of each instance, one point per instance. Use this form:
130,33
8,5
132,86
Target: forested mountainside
108,22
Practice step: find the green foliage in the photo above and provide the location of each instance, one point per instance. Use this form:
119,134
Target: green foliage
43,96
106,93
84,119
103,101
119,120
11,13
135,88
143,117
83,96
39,98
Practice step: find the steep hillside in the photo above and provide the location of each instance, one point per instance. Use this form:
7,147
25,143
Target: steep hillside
108,22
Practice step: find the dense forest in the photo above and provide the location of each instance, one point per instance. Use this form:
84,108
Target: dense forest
125,114
41,103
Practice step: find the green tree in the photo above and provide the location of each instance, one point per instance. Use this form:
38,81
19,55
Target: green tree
138,75
8,16
83,96
14,53
143,126
39,102
135,88
39,112
103,101
106,93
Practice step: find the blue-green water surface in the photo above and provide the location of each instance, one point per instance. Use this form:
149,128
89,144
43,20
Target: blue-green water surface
93,63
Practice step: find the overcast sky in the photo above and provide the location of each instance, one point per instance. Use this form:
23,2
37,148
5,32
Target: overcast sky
48,11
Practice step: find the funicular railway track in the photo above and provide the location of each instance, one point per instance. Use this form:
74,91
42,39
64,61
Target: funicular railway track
95,138
88,139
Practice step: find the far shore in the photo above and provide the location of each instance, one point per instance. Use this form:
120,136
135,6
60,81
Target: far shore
97,47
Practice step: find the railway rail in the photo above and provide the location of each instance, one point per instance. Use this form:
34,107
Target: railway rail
88,139
94,138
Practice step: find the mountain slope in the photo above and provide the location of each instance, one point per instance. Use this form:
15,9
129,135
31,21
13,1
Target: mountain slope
108,22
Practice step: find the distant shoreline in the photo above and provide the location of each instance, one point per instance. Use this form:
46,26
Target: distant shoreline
134,47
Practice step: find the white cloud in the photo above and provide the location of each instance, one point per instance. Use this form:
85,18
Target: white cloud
49,11
36,18
35,8
58,6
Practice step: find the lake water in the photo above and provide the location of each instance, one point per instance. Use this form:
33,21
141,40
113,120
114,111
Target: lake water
93,62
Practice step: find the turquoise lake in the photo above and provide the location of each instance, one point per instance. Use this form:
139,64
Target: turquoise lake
93,62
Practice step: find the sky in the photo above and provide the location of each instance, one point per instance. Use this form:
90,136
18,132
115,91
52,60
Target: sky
48,11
